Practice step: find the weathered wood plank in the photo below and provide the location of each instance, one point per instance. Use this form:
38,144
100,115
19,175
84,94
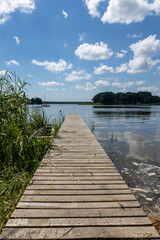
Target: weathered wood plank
76,192
77,170
66,213
80,233
79,205
63,174
83,222
84,198
79,187
76,182
72,178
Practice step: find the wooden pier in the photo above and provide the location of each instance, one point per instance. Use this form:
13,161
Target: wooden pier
77,193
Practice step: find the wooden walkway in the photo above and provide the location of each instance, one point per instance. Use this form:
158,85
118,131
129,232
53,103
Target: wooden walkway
77,193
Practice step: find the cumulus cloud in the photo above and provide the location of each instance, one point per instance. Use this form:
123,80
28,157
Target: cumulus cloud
92,6
77,75
141,64
122,68
147,47
49,84
65,45
98,51
138,83
121,53
123,85
17,40
65,14
12,62
103,69
102,83
148,89
53,66
87,87
9,6
124,11
143,51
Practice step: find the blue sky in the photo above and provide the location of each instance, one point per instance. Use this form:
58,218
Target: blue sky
70,50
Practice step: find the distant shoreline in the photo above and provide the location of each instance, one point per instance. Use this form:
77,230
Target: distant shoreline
99,104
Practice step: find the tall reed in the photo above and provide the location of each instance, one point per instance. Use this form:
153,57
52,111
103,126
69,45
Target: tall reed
19,155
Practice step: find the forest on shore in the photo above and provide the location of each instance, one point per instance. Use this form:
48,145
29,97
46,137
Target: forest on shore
126,98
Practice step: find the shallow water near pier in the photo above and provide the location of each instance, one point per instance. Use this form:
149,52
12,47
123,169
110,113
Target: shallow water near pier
130,136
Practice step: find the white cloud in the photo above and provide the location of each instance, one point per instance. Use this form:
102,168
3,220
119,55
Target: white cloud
141,64
2,72
12,62
17,39
53,66
65,45
123,85
122,68
77,75
52,89
103,69
9,6
94,52
4,19
134,35
143,51
138,83
29,75
147,47
124,11
65,14
102,83
49,84
93,7
121,54
89,86
82,36
148,89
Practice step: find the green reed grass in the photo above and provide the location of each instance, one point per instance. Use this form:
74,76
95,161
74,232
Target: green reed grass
19,155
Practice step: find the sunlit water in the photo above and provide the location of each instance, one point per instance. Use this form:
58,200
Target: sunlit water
131,137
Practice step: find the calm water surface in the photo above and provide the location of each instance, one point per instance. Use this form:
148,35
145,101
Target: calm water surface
131,137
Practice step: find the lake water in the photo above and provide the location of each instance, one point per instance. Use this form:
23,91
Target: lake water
130,136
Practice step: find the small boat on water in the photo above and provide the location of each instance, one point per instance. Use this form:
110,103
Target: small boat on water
45,105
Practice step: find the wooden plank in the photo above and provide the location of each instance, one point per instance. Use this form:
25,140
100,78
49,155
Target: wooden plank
77,170
76,192
66,213
74,198
80,187
63,174
76,182
79,205
80,233
77,222
71,178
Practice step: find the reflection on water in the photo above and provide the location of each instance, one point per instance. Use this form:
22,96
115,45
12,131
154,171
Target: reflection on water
131,136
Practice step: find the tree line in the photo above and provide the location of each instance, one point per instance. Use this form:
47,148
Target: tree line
35,100
126,98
